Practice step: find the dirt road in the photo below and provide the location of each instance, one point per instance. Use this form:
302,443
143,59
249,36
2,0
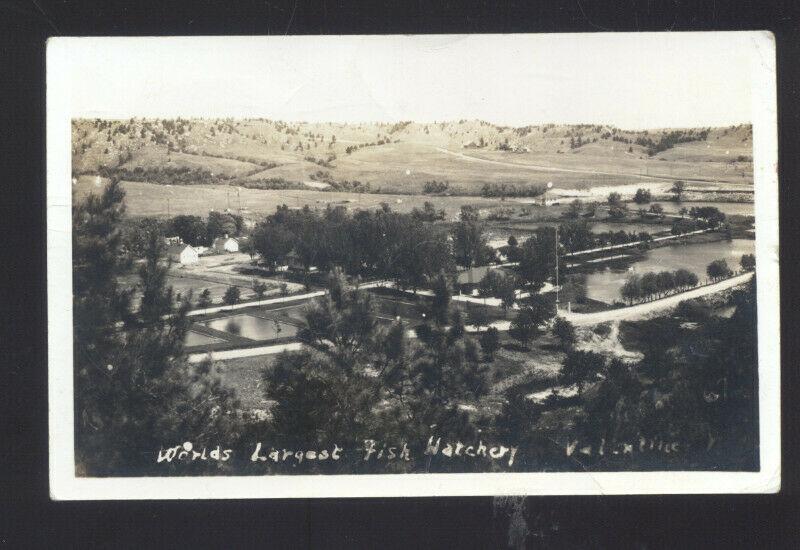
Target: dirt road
641,311
541,168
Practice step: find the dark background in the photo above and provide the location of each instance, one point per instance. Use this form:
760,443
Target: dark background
29,519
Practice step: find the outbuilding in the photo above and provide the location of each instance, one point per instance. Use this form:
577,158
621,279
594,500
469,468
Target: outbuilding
183,253
225,244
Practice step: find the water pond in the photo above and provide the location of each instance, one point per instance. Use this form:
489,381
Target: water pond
196,339
252,327
605,283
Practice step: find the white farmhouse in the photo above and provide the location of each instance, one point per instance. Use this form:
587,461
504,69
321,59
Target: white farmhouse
225,244
183,253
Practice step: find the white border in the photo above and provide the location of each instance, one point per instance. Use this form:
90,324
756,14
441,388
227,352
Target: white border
64,485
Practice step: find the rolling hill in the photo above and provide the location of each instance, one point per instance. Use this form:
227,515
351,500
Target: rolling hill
400,158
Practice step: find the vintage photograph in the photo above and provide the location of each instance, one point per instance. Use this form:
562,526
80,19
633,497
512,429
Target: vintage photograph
314,258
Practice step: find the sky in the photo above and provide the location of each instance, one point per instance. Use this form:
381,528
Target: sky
632,81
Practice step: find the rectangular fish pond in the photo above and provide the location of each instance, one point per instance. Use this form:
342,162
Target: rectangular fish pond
252,327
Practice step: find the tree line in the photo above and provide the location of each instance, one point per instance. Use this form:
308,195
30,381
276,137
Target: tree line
654,285
382,243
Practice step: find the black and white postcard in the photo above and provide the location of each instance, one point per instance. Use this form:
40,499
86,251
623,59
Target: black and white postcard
434,265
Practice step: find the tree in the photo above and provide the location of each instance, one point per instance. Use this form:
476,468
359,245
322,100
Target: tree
685,279
632,289
642,196
137,234
331,393
506,290
614,199
134,390
204,300
526,324
748,262
343,322
580,367
219,224
440,304
718,269
232,295
490,342
565,332
537,261
542,307
477,317
665,282
650,285
307,390
191,229
259,288
513,250
490,282
677,189
272,242
469,242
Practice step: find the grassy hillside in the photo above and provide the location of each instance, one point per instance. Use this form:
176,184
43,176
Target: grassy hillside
402,157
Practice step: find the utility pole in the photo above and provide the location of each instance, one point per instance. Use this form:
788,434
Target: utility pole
239,198
556,251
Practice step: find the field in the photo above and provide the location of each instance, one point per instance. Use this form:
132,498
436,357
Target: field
147,199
